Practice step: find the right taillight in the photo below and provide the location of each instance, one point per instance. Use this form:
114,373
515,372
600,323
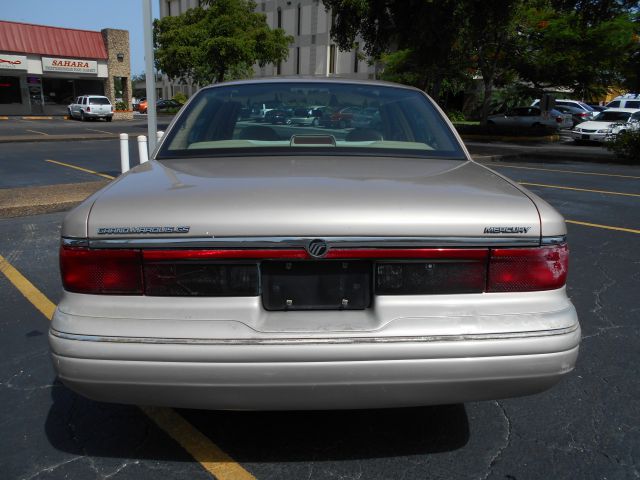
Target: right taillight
527,269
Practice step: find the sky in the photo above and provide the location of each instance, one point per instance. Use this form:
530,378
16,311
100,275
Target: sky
86,15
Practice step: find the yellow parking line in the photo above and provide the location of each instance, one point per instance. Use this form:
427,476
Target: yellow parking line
204,451
208,454
35,296
36,131
492,165
606,227
104,175
579,189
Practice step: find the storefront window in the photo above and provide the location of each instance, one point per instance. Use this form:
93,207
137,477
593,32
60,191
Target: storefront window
10,90
58,93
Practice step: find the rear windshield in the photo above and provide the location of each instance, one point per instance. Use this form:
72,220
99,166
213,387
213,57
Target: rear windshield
99,101
332,117
612,117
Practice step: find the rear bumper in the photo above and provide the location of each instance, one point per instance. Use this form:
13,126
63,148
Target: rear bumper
292,375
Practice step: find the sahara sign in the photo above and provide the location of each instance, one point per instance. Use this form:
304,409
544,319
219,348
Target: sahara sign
13,62
69,65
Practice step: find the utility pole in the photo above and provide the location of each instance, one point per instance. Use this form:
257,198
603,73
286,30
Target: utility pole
152,119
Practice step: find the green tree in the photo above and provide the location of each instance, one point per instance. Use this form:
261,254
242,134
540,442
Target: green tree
219,42
562,47
421,42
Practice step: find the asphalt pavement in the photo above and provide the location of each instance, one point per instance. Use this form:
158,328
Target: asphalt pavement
587,427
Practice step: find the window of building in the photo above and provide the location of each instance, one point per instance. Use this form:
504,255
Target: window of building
299,19
10,90
356,55
279,68
313,39
297,60
332,59
263,7
279,18
169,7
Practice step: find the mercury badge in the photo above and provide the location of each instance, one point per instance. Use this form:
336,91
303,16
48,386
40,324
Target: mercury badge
317,248
506,229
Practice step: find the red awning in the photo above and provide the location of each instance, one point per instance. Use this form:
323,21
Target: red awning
51,41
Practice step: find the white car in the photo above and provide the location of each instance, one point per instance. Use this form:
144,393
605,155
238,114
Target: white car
86,107
587,110
531,117
630,100
607,124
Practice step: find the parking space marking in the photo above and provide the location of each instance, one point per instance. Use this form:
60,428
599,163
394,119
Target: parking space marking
606,227
560,187
36,131
213,459
208,454
104,175
100,131
28,289
492,165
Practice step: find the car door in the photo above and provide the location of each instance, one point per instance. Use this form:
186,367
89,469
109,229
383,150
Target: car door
634,122
76,106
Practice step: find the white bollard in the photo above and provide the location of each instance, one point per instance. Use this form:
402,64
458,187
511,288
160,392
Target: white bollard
160,133
142,149
124,152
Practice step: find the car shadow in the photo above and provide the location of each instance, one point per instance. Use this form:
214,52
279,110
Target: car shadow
81,426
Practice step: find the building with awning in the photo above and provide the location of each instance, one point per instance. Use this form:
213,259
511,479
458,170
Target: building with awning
43,68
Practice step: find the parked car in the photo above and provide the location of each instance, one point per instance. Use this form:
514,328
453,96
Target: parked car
630,100
577,115
279,116
260,110
531,117
164,105
87,107
607,125
588,111
142,106
312,270
340,118
309,116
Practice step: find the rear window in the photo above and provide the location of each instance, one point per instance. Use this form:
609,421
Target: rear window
99,101
632,104
607,116
384,120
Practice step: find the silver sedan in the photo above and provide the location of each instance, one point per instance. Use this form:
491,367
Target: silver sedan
274,267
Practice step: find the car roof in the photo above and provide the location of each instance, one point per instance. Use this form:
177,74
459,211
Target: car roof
624,110
312,80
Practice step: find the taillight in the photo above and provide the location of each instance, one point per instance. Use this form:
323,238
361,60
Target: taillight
405,271
527,269
117,272
585,114
559,119
88,109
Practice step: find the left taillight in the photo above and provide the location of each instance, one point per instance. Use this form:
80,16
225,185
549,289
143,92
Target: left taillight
116,272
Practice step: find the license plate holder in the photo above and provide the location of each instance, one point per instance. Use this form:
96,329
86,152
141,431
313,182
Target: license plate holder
316,285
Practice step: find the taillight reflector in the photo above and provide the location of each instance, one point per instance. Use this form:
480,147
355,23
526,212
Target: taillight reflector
101,271
527,269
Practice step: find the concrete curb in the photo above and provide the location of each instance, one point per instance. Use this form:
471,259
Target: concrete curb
20,202
64,138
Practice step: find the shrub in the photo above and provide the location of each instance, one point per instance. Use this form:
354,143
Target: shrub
180,97
626,146
122,106
456,116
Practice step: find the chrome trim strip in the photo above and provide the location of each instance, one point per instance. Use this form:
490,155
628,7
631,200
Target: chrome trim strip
554,240
308,341
301,242
75,242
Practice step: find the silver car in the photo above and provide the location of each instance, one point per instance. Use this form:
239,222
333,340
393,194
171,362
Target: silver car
268,267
